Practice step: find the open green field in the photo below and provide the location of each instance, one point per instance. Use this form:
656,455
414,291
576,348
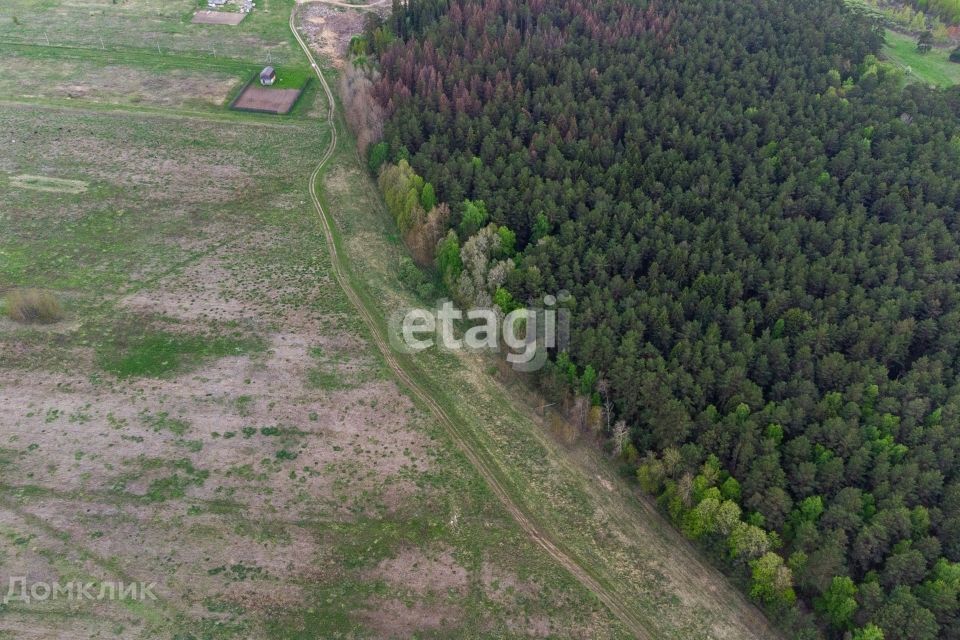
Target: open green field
932,68
211,414
160,26
145,54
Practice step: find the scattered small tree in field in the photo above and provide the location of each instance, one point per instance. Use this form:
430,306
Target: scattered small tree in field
925,42
359,45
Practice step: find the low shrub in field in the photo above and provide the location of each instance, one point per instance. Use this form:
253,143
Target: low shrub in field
33,306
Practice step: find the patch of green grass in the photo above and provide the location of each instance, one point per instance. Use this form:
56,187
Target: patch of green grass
292,77
330,380
330,608
159,353
214,605
243,472
167,488
175,486
263,531
330,375
163,422
236,572
933,67
243,405
63,63
7,456
193,446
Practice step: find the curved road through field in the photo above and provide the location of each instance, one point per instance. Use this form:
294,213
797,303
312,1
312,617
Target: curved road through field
612,600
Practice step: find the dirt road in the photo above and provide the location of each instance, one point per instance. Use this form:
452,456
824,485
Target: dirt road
621,609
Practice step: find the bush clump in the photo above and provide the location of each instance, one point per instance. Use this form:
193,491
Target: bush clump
33,306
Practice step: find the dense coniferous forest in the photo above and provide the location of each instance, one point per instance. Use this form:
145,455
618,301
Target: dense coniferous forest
758,223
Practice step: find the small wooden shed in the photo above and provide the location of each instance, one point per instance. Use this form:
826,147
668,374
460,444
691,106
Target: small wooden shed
268,76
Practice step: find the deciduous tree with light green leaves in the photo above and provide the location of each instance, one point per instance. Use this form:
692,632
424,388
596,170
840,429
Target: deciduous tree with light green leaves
869,632
474,217
747,541
428,197
772,581
449,262
401,188
378,157
839,602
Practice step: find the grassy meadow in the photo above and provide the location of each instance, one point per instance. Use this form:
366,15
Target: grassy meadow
933,67
208,414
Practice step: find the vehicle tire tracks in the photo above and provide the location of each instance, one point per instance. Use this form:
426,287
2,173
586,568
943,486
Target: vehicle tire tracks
609,598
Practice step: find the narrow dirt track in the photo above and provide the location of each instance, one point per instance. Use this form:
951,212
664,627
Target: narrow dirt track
370,6
611,599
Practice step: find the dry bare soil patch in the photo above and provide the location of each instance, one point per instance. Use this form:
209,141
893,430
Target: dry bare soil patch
329,29
279,101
